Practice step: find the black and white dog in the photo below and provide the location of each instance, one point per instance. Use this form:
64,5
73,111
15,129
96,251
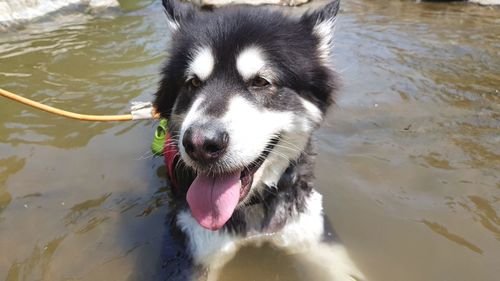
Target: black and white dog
243,90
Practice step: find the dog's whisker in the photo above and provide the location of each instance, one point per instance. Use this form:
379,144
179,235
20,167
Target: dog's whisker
272,152
288,148
146,155
285,141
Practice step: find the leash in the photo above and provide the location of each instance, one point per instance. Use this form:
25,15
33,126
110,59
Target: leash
162,143
139,110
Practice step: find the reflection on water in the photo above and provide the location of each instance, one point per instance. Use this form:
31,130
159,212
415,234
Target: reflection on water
441,230
408,163
9,165
94,67
485,212
37,265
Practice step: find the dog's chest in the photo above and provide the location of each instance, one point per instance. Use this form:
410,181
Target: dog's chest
214,248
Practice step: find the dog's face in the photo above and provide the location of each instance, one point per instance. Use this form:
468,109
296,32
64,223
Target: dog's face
243,90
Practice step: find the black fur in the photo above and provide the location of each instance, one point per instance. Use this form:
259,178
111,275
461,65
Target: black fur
291,46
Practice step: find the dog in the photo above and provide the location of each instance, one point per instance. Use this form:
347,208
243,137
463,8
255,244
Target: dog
243,90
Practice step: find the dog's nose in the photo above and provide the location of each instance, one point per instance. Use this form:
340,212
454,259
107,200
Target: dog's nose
205,144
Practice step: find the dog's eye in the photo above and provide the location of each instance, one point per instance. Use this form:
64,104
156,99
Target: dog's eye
259,82
194,82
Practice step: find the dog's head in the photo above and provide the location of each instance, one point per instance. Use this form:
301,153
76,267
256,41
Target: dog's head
243,90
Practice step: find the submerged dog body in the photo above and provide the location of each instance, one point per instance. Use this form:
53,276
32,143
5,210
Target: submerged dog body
244,89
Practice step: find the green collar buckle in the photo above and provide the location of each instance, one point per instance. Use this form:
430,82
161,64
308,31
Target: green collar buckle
159,138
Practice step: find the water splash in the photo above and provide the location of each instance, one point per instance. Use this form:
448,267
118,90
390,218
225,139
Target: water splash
15,12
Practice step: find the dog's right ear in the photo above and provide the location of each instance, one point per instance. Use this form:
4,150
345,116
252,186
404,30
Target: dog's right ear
178,12
321,22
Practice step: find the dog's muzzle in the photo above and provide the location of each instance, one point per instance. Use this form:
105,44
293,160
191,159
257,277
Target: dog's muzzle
205,143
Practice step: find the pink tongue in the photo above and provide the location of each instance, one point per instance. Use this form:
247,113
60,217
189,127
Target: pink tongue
213,200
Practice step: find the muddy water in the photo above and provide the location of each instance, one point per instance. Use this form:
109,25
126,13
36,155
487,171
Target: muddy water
408,162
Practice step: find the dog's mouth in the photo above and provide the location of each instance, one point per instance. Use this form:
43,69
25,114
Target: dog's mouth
213,198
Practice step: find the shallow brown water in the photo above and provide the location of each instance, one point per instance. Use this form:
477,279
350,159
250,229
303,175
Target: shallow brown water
408,161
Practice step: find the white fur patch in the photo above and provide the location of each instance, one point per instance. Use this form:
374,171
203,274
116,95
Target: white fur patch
215,248
304,231
173,24
293,140
250,62
312,110
193,114
250,129
301,236
209,248
324,31
289,148
202,63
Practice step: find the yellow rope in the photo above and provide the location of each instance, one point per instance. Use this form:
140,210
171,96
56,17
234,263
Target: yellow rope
72,115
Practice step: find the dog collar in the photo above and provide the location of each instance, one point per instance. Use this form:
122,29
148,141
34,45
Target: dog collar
158,144
171,154
163,145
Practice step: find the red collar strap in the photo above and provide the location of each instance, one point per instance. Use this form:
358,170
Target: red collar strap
171,154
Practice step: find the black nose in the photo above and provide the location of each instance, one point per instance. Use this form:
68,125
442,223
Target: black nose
205,143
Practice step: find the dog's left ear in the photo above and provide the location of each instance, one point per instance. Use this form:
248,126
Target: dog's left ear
178,12
322,23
